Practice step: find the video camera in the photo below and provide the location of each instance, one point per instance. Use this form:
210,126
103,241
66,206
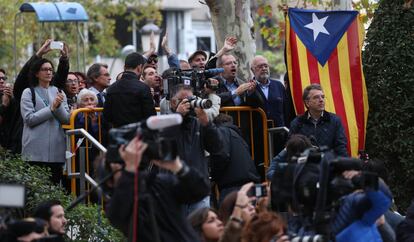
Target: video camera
196,78
157,131
13,196
312,185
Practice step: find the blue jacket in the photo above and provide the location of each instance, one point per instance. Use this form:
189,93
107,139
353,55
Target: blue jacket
327,132
362,208
275,105
363,229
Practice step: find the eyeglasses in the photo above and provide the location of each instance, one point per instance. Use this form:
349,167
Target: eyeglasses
3,78
46,69
231,62
317,97
152,60
71,81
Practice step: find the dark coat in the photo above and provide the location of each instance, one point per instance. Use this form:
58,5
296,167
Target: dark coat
238,168
193,138
405,230
275,106
160,199
327,132
225,95
128,101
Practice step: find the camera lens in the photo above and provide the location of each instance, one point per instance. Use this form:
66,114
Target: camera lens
201,103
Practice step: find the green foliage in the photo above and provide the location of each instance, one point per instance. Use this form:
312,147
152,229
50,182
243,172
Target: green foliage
276,62
99,30
83,219
389,71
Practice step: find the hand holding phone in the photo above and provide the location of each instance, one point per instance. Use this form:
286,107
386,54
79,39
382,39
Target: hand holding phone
56,45
258,190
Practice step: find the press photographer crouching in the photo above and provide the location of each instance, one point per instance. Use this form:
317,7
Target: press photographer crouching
330,198
146,205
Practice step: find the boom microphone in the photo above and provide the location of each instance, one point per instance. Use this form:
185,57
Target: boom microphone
213,71
157,122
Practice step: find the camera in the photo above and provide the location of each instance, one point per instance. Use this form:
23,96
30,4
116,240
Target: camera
258,190
197,79
158,132
312,185
199,103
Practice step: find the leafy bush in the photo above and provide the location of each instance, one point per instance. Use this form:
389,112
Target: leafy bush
83,221
389,71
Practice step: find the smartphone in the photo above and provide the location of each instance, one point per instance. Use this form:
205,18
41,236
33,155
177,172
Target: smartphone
56,45
258,190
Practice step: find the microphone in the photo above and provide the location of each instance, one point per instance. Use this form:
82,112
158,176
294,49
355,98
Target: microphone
213,71
157,122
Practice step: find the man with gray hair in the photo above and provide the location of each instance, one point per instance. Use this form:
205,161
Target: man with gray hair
321,127
270,95
99,79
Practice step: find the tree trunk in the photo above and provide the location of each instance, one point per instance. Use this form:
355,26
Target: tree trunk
233,18
342,4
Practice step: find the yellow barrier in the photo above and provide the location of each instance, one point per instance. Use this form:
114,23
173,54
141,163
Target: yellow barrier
238,110
70,126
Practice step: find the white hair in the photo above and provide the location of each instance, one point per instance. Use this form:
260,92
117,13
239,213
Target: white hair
85,92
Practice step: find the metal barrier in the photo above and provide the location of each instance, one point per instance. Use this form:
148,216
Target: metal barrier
72,147
262,114
71,143
82,174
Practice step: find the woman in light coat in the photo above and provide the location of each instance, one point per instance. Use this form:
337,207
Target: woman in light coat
43,113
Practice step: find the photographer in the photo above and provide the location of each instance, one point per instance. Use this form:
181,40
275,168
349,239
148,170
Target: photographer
150,210
196,135
359,211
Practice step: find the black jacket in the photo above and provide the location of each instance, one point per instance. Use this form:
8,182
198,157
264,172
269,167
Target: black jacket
238,168
225,95
128,100
193,139
327,132
160,198
405,230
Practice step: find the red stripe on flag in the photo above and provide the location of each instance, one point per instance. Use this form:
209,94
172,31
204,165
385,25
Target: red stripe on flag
336,90
297,84
313,68
356,79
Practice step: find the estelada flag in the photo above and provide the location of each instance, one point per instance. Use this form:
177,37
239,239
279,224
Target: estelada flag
325,47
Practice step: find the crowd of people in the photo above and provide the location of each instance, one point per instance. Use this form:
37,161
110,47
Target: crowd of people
172,200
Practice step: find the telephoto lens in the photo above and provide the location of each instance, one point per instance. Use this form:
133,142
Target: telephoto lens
200,103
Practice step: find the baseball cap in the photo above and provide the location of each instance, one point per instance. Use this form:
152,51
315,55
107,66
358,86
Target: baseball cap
197,52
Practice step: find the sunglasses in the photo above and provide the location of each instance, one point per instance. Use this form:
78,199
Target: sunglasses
3,78
152,60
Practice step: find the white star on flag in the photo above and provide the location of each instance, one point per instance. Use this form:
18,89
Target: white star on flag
317,26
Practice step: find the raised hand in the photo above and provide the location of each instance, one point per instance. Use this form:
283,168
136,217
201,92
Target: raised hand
229,43
164,44
44,49
65,51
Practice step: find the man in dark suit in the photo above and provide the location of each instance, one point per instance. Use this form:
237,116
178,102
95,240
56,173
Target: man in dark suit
269,95
232,90
129,100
